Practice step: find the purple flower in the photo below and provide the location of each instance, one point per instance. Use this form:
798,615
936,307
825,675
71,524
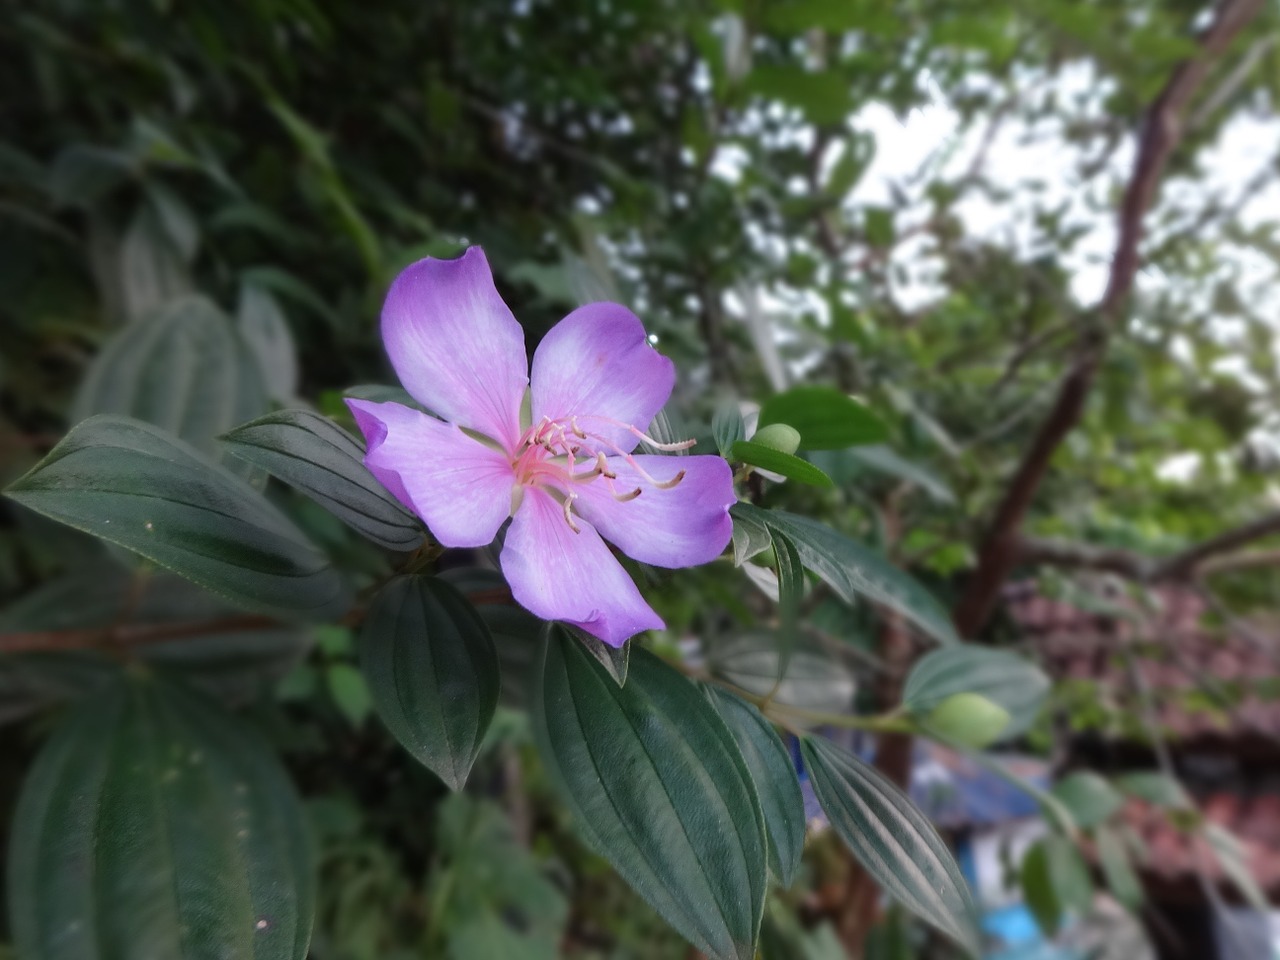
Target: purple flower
564,470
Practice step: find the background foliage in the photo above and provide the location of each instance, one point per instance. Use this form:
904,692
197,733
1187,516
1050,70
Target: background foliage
201,206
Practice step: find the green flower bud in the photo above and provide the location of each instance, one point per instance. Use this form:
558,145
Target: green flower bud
778,436
969,719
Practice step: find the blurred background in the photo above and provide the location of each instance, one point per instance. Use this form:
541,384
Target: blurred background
1039,238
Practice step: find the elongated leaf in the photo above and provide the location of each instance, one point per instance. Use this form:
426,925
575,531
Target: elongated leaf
153,824
133,485
775,778
1055,880
854,570
433,673
1038,889
1004,678
826,418
785,464
892,839
180,368
319,458
657,785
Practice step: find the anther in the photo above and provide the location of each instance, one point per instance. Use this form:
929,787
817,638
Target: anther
568,515
625,497
668,484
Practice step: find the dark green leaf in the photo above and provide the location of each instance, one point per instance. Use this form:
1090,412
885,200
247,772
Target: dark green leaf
1055,879
133,485
775,778
1004,678
786,464
892,839
433,672
153,824
1038,891
1088,797
319,458
853,570
826,418
658,786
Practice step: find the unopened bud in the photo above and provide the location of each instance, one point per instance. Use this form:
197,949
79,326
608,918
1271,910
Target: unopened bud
778,436
969,719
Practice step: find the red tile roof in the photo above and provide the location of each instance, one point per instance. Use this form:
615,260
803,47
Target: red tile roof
1174,856
1204,682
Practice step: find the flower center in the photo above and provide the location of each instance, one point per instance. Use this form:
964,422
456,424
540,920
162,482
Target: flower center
561,455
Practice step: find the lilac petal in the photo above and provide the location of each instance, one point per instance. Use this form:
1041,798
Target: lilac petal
558,574
682,526
596,364
459,486
455,345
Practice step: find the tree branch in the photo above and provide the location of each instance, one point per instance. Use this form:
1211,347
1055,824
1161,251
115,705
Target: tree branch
1184,563
1215,555
1161,133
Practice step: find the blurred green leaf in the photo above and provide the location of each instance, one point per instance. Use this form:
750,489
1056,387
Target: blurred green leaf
1117,868
1088,797
263,328
1004,678
892,840
82,175
1155,788
826,418
154,824
856,571
181,368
